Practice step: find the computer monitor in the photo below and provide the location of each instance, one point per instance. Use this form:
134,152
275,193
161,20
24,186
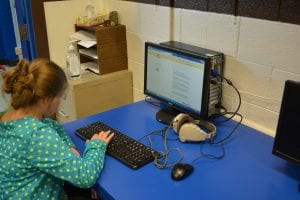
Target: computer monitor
287,139
178,78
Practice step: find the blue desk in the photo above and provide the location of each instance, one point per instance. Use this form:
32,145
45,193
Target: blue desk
248,170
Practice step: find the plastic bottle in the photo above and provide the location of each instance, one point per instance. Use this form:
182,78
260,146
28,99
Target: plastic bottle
73,62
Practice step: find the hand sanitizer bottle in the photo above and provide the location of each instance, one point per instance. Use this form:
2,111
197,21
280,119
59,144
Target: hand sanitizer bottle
73,62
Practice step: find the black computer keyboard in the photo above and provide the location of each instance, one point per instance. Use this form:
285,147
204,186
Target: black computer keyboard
122,147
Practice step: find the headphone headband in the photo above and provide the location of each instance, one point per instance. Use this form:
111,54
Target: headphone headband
189,130
212,128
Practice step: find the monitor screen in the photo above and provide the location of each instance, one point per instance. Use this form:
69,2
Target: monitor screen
177,78
287,139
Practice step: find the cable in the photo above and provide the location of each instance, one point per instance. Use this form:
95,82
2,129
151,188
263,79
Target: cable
163,131
232,131
229,82
161,160
233,114
154,132
210,156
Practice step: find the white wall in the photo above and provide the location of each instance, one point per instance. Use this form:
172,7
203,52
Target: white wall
60,22
260,54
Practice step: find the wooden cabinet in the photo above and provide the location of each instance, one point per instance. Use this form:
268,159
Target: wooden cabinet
93,94
111,48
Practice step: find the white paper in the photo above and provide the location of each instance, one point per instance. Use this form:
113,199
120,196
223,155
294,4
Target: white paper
89,52
87,44
83,36
91,66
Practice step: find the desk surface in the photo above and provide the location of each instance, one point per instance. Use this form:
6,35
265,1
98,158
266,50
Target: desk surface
248,170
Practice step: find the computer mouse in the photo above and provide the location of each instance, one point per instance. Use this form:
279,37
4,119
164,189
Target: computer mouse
181,170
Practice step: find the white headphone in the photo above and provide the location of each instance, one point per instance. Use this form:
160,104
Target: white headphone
189,131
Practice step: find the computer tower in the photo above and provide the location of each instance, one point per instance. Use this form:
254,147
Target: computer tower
216,65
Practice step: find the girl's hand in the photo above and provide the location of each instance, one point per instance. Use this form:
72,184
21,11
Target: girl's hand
105,136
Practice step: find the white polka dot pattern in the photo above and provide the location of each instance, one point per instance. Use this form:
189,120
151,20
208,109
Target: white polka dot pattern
35,159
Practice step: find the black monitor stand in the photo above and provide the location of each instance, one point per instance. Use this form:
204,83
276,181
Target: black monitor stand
166,115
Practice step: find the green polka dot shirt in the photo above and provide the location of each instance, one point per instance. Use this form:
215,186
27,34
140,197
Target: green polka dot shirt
35,160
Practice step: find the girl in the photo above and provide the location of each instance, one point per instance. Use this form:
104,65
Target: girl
36,154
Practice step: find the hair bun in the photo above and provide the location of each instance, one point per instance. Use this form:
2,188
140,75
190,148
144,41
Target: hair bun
30,82
22,68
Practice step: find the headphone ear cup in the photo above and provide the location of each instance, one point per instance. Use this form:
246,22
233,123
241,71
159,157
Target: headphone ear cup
179,120
191,132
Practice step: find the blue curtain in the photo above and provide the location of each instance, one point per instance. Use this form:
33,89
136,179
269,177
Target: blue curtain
7,36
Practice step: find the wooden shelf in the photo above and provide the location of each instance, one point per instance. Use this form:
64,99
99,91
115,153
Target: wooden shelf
111,48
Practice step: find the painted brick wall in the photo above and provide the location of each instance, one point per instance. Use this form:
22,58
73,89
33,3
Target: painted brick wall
260,54
276,10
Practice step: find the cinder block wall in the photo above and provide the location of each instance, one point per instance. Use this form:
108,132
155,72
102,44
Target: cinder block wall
260,54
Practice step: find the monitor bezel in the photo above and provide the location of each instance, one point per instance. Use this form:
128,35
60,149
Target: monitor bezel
206,81
289,84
